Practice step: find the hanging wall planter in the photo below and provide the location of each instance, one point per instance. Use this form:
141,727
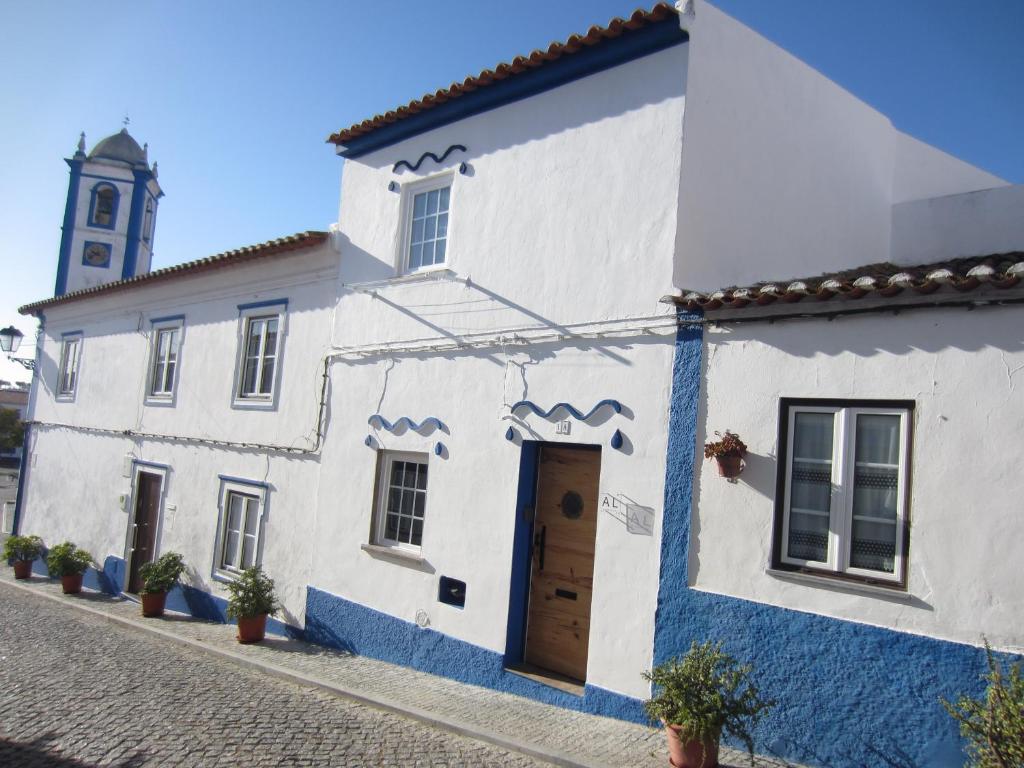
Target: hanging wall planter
728,452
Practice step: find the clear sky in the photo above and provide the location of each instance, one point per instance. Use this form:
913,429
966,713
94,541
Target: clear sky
236,98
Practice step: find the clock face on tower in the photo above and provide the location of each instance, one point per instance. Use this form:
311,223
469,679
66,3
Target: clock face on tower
96,255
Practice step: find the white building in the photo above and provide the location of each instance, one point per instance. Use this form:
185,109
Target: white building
462,430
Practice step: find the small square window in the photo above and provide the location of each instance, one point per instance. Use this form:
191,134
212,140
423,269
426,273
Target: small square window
70,358
426,206
164,360
401,500
842,502
240,530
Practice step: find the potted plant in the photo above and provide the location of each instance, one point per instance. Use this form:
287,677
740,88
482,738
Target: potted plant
699,695
158,578
252,600
994,724
69,563
22,550
728,452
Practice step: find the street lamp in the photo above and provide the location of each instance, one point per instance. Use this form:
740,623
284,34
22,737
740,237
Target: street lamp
10,340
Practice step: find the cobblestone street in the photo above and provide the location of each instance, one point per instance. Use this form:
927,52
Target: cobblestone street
78,691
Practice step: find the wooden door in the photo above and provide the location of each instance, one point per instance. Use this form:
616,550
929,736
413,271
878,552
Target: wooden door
147,512
562,572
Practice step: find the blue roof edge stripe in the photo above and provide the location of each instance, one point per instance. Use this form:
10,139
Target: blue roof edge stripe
630,45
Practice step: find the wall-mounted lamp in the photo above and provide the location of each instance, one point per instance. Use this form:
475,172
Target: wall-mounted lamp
10,340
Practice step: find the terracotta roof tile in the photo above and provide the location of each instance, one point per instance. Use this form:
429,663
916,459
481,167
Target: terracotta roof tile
879,280
248,253
538,58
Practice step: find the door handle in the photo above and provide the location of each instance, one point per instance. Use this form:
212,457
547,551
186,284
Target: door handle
135,535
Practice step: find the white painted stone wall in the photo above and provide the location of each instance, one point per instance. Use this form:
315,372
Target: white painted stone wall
965,373
76,477
785,174
972,224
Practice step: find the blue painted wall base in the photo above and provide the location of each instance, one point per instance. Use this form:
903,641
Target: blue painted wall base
849,695
339,623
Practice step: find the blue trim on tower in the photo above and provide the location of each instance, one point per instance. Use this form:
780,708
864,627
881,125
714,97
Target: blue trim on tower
134,236
848,694
68,228
339,623
628,46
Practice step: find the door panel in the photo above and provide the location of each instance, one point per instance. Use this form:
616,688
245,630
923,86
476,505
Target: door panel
562,571
147,512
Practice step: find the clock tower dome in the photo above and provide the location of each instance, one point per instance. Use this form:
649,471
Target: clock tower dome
110,214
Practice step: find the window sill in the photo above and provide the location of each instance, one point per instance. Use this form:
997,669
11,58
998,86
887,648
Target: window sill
160,402
419,276
254,404
895,592
399,556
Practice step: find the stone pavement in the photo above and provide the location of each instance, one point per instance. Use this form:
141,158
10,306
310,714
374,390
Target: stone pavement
442,707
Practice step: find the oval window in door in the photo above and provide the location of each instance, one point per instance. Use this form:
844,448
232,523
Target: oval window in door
572,505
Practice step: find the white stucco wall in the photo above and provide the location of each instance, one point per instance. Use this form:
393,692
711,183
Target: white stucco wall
76,476
965,373
972,224
784,173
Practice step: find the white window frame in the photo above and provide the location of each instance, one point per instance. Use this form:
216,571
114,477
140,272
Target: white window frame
248,489
273,310
159,327
386,460
840,538
70,366
409,192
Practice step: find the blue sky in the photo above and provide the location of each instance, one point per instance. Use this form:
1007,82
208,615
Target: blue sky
236,98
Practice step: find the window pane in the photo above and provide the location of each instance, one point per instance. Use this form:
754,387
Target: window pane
267,379
419,206
248,552
230,548
418,506
443,202
810,489
876,493
391,528
417,231
417,532
252,347
252,516
416,257
249,376
421,477
404,526
432,199
429,228
439,249
428,253
168,379
442,225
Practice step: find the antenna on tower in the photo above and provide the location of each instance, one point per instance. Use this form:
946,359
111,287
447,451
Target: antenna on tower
126,121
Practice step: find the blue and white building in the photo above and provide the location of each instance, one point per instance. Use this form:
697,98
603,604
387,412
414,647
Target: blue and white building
463,428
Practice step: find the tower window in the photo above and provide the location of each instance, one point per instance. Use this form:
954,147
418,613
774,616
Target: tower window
103,209
147,223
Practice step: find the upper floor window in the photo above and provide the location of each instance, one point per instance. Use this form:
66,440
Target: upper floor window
260,353
844,488
103,206
70,358
427,206
164,354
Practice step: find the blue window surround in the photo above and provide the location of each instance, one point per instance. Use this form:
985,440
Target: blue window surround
135,216
168,321
93,199
628,46
69,397
245,311
255,487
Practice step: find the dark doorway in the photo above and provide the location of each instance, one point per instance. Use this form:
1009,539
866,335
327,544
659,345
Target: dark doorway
147,513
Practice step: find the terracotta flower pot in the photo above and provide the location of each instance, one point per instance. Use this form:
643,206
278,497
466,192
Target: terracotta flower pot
729,465
71,584
690,754
22,569
153,604
252,629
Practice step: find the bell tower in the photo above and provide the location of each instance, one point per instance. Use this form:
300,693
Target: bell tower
110,214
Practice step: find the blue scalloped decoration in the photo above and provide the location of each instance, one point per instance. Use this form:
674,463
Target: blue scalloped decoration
424,156
438,449
617,440
615,405
510,434
378,420
369,441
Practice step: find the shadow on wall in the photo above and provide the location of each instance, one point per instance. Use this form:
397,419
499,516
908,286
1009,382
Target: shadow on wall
925,330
